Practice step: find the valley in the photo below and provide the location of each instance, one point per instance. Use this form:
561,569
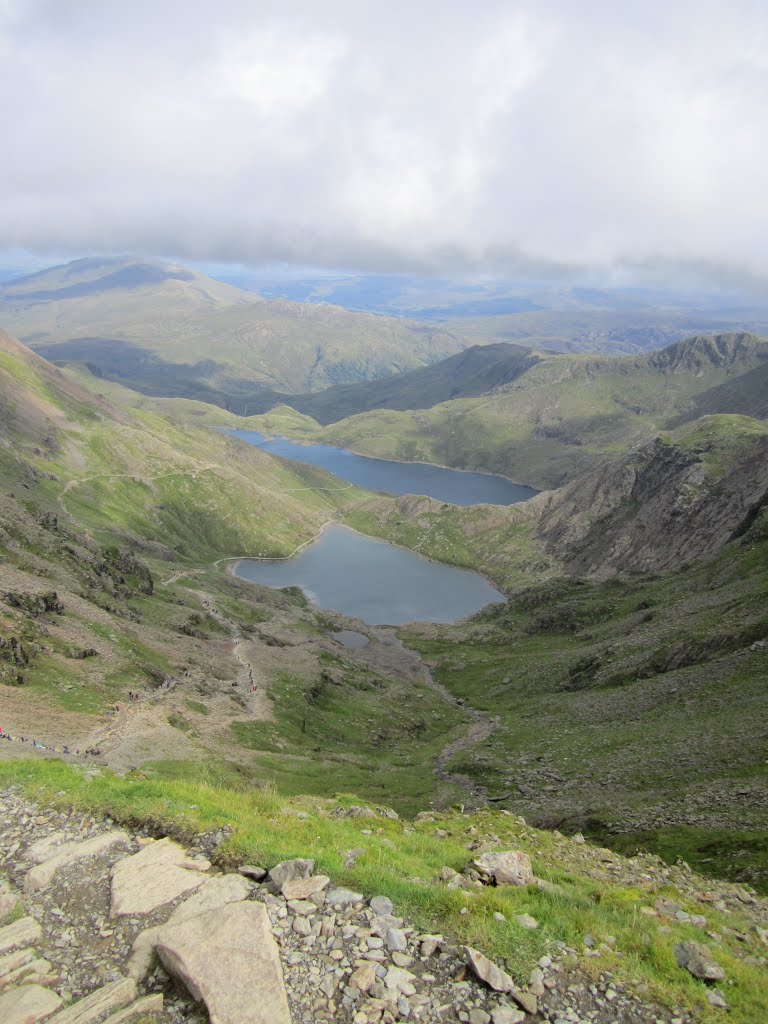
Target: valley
616,692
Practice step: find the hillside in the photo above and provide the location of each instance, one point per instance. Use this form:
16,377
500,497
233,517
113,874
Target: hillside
170,331
478,370
666,503
563,415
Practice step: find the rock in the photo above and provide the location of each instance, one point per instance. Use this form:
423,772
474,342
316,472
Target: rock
93,1007
363,978
28,1004
527,1000
252,871
32,969
487,971
42,874
21,933
396,940
512,867
151,878
697,960
303,888
7,903
526,921
507,1015
717,999
11,962
343,897
351,856
288,870
478,1016
228,959
142,1008
381,906
430,944
400,981
214,893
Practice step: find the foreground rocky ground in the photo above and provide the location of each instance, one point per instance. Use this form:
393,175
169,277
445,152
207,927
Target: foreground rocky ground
105,925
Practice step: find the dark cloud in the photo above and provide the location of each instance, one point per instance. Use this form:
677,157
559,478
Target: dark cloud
526,137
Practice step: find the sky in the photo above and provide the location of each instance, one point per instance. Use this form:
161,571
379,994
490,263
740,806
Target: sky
521,137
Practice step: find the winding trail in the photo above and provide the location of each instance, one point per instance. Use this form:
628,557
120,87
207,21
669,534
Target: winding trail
479,729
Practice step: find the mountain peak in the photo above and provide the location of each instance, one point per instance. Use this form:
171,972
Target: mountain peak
702,351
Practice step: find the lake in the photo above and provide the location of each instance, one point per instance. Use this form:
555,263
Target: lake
374,581
452,485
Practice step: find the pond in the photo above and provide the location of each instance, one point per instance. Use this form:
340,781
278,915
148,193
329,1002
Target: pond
452,485
374,581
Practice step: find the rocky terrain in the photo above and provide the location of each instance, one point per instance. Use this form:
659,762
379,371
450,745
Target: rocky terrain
110,924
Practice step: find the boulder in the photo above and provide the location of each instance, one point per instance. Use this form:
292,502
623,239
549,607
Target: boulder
696,958
228,959
487,971
288,870
303,888
343,897
154,876
381,906
28,1004
512,867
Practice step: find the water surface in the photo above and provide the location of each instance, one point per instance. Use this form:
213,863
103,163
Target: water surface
453,485
374,581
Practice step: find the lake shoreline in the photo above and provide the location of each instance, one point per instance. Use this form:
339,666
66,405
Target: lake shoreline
312,588
388,458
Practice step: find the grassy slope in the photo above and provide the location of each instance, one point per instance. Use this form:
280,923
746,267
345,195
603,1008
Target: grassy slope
587,892
630,705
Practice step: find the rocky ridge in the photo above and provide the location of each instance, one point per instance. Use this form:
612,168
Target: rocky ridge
120,926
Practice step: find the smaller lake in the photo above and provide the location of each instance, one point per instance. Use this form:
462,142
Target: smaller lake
453,485
374,581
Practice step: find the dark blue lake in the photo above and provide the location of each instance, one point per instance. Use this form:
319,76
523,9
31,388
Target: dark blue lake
453,485
374,581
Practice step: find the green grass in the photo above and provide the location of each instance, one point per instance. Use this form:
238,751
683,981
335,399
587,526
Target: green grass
402,860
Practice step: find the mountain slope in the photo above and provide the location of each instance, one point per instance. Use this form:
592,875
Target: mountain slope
172,331
667,502
564,414
477,370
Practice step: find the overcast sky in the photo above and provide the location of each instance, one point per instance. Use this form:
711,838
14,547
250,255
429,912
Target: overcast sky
448,135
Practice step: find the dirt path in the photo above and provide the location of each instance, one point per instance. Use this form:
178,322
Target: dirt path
250,679
480,728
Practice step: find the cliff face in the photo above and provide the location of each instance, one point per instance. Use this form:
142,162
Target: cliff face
702,352
666,503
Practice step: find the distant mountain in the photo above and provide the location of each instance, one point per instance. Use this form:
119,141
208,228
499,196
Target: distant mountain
162,329
612,320
563,414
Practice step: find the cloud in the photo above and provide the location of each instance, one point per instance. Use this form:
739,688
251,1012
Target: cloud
441,135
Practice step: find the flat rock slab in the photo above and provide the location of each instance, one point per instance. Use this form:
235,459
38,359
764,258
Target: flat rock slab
42,874
216,892
93,1007
229,960
24,932
143,1007
28,1004
151,878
